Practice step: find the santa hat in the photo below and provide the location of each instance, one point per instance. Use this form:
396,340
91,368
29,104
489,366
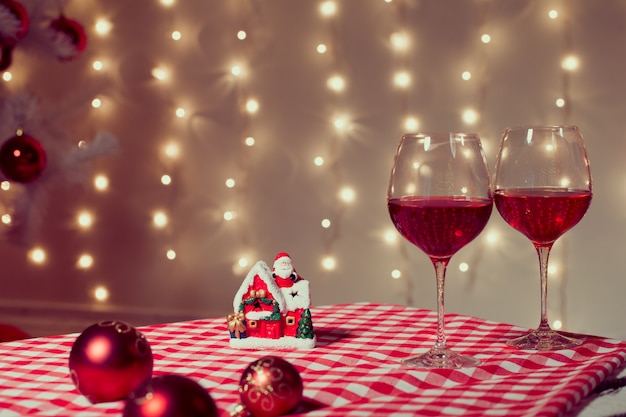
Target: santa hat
282,256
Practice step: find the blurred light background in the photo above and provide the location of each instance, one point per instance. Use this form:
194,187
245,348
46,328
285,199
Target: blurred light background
245,128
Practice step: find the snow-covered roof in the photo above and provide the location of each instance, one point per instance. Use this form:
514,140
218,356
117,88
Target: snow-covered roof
265,274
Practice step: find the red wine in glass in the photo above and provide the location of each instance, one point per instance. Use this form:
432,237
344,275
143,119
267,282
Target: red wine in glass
440,199
439,225
542,188
542,214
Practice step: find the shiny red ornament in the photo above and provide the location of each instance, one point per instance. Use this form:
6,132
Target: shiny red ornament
269,387
22,158
170,395
68,37
109,360
14,22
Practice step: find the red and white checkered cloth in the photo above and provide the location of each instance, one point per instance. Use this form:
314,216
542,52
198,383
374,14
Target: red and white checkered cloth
355,369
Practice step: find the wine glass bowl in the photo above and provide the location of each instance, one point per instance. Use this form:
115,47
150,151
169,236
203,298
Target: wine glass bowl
439,198
542,188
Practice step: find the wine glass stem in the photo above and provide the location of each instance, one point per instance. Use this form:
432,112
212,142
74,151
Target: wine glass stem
543,251
440,271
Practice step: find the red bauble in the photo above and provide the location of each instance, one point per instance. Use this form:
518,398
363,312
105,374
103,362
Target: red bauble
13,22
270,386
68,37
109,360
170,396
22,158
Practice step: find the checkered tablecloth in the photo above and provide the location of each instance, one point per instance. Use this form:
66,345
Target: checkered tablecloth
354,371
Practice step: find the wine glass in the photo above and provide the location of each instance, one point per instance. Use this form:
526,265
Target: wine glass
542,188
439,199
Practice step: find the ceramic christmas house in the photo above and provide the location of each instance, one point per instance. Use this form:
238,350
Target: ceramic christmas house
272,309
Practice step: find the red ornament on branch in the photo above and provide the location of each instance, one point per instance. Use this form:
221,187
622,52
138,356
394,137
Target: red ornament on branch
14,23
22,158
109,360
68,38
170,396
269,387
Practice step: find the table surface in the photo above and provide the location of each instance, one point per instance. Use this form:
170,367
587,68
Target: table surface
354,370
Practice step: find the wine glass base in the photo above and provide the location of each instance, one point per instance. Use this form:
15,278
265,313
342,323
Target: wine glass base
544,340
441,358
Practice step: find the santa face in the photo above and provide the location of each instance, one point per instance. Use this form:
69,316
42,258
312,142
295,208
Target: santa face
283,268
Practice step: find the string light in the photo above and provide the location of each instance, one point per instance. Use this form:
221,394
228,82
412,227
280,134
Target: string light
347,195
336,83
329,263
341,124
170,254
553,269
85,219
97,65
37,255
96,103
159,73
328,8
402,79
492,237
252,106
101,182
399,41
6,219
101,293
236,70
401,45
85,261
470,116
570,63
159,219
177,35
172,150
7,76
390,236
166,180
103,27
411,124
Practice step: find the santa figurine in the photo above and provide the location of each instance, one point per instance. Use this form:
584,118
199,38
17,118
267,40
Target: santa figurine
283,271
272,308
